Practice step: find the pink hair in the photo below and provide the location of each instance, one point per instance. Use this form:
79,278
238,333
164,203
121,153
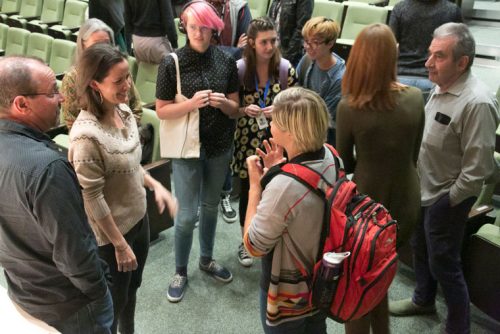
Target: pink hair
204,15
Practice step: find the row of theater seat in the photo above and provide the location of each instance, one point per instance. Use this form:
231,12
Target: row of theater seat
57,53
58,18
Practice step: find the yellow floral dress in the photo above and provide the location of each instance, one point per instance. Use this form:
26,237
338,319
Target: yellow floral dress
247,136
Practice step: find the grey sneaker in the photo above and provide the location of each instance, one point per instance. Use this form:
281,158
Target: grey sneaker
217,271
245,259
228,213
176,288
407,307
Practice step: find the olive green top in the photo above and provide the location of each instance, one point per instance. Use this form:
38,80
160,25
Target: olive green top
387,144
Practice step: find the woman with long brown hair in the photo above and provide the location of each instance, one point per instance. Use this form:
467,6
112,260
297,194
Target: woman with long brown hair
384,120
260,82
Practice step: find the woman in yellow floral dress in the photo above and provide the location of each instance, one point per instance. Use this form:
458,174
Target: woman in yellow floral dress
263,74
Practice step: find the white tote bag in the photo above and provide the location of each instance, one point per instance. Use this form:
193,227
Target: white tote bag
180,137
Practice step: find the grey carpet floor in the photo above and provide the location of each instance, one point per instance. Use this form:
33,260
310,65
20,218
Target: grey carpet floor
210,306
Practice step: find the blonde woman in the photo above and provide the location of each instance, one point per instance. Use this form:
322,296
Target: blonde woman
274,224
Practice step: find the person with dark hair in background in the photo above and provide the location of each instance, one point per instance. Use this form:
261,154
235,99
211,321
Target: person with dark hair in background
150,25
261,81
48,251
289,17
456,157
383,121
209,81
111,12
105,151
412,22
236,16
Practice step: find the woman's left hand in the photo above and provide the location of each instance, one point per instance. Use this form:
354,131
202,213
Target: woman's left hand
268,112
164,198
217,100
242,41
272,156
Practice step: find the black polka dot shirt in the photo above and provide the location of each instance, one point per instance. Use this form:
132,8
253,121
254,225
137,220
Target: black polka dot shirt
215,70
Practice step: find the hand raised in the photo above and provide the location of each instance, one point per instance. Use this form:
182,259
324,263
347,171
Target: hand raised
273,154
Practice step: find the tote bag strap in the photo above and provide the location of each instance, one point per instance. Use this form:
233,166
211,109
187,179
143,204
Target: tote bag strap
177,72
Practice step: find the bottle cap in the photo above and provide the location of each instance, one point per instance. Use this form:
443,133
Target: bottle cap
335,258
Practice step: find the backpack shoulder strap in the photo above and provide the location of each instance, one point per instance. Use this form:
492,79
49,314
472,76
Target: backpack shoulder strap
302,71
242,66
284,65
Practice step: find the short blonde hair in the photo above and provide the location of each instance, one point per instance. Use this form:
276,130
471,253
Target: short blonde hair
303,114
322,27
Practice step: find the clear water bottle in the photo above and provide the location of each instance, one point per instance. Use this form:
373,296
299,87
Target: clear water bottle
326,281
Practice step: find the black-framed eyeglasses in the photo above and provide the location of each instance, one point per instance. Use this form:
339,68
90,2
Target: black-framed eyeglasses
50,95
312,44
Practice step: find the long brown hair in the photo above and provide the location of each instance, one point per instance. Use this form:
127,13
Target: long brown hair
370,75
94,64
259,25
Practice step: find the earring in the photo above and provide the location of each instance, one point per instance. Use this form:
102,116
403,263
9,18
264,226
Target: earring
101,99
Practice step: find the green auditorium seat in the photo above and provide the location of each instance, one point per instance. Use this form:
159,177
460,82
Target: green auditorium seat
357,17
149,116
146,83
73,18
40,45
61,57
160,169
9,7
52,13
30,10
482,270
329,9
3,37
258,8
132,65
181,38
17,41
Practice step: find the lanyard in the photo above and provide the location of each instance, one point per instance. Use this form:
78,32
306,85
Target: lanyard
262,101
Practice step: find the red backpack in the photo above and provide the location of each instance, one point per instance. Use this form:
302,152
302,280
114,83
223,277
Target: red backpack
357,224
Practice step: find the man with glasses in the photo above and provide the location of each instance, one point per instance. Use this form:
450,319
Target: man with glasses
320,69
47,249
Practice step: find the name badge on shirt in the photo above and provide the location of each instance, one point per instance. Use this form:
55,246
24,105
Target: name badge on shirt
442,118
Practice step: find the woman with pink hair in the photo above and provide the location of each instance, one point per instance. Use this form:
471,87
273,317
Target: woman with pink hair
209,81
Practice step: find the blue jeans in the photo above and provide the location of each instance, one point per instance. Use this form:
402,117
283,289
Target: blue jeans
228,183
423,83
315,324
197,181
94,318
437,246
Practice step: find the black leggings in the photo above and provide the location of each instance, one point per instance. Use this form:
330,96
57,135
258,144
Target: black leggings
124,285
244,188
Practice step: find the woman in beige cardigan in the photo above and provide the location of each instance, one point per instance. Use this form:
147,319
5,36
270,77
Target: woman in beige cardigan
106,153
